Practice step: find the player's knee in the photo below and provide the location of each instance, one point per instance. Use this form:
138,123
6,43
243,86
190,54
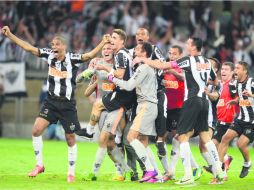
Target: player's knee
226,139
70,139
130,137
240,145
36,131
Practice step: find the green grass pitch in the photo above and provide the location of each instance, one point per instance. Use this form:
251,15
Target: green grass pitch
17,159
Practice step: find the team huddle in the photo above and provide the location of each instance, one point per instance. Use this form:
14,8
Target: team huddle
136,94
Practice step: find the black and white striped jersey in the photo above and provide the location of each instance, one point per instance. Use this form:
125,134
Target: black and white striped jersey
197,71
156,54
246,103
123,60
61,74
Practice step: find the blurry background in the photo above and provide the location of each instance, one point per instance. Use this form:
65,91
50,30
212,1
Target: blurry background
226,27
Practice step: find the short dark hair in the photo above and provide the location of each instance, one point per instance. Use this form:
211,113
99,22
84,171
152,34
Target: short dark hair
121,34
197,42
244,64
180,49
148,48
230,64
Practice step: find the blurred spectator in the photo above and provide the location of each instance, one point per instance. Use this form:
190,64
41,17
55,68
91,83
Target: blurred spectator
6,52
134,17
240,54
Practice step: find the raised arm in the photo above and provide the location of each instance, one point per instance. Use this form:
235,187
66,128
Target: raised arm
157,64
92,54
23,44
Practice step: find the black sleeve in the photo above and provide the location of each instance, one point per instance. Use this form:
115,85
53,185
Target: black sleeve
184,63
157,54
252,86
212,74
76,59
121,61
232,88
44,52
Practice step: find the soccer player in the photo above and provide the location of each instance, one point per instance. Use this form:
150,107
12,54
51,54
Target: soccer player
122,69
145,82
174,85
225,114
142,36
243,124
60,104
194,115
101,86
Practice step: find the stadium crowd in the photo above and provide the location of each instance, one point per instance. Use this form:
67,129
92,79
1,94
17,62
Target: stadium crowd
160,92
229,36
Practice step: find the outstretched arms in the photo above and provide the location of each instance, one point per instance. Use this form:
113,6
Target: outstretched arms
23,44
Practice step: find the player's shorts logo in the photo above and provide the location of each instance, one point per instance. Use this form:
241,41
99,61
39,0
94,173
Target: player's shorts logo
72,126
46,111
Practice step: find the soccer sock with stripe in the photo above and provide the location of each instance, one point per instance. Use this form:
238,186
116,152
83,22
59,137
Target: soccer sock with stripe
72,158
185,153
37,145
142,154
174,156
99,157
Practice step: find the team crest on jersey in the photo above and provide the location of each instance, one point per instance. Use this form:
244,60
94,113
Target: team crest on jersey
46,111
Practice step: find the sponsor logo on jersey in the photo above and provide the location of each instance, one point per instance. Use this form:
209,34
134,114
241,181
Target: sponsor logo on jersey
244,103
171,84
56,73
220,103
202,66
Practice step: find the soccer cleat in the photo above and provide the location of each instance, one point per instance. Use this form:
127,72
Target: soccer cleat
134,177
245,171
168,177
118,177
152,180
37,170
227,163
70,178
128,175
220,176
83,133
197,172
148,175
90,177
208,169
185,181
215,181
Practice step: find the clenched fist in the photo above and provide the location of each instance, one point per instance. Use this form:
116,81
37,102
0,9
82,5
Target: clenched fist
106,38
6,31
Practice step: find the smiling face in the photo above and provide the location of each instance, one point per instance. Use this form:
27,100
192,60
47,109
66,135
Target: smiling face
142,36
58,47
107,52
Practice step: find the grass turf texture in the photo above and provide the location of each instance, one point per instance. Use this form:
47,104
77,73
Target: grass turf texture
17,159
